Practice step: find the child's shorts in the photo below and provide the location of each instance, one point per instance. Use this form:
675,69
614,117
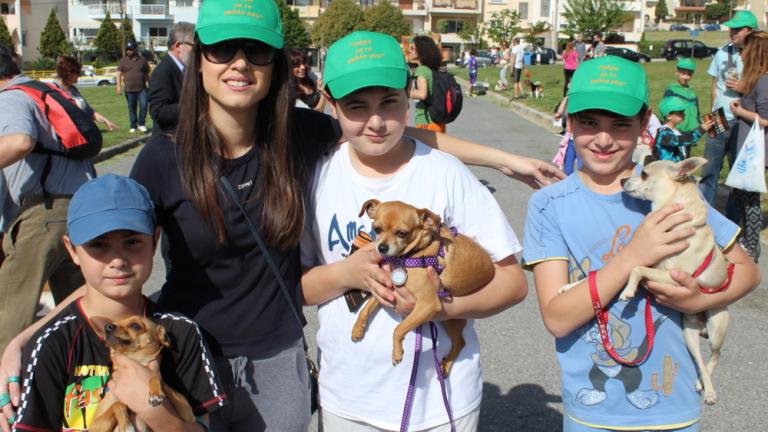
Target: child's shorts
571,426
472,78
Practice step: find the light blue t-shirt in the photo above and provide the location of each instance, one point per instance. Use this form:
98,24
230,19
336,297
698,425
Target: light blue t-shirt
567,221
719,70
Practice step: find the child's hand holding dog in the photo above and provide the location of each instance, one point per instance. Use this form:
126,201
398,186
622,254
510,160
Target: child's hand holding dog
129,383
655,238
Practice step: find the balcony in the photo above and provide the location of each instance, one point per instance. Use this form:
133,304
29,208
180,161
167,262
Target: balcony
158,43
455,6
83,42
153,9
411,7
100,10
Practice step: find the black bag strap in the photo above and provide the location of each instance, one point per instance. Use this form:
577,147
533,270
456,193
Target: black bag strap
730,56
230,190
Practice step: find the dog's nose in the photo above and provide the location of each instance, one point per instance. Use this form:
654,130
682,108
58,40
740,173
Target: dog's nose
383,249
109,328
624,180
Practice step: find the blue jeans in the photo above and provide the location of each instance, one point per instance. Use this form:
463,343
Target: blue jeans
132,98
715,151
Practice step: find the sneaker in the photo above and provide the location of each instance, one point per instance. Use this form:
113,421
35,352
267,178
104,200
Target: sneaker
132,130
143,129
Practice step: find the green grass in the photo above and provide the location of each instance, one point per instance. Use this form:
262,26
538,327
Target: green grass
708,38
114,107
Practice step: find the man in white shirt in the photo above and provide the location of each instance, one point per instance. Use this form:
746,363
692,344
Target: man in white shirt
518,62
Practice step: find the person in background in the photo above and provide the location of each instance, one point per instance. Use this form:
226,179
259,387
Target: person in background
599,45
132,77
683,90
671,143
725,71
518,62
426,54
506,56
751,107
570,63
472,68
166,80
581,48
68,71
307,91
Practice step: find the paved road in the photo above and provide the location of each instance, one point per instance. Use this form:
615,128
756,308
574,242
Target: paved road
522,391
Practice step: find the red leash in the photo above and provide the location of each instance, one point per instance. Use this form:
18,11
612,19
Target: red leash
601,315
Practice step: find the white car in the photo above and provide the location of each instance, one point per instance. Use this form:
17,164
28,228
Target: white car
88,79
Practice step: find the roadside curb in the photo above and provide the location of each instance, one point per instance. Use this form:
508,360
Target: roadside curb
533,115
123,147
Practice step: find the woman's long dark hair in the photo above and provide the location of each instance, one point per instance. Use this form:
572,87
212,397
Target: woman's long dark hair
281,171
428,52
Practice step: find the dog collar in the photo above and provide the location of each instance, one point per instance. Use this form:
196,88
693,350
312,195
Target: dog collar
400,264
729,274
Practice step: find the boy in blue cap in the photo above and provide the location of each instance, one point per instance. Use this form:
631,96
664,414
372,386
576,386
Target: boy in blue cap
586,229
112,237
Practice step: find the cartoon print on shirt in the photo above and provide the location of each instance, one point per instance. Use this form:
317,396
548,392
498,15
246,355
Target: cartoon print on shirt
344,239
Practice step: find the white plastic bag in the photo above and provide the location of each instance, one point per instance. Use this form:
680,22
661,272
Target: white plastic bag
748,171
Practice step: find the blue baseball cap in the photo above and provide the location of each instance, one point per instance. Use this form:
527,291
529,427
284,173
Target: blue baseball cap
107,204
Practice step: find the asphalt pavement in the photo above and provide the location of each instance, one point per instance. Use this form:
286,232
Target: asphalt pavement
521,377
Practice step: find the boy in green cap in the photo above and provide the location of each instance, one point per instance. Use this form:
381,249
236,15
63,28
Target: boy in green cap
366,80
672,142
585,228
683,90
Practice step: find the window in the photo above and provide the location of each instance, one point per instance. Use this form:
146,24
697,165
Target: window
366,2
7,8
451,26
522,9
545,8
497,1
23,38
184,3
299,2
158,32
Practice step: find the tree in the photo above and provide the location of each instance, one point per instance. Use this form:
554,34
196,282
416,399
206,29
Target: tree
127,28
661,10
5,35
534,30
716,11
502,26
472,33
340,19
53,41
108,38
294,31
595,16
384,17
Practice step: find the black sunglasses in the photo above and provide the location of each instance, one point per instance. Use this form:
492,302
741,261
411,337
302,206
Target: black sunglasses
257,53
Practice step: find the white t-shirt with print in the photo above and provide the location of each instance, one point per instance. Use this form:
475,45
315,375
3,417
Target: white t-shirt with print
357,379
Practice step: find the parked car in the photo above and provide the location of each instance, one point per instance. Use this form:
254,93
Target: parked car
483,59
88,79
627,54
679,27
710,27
674,48
548,56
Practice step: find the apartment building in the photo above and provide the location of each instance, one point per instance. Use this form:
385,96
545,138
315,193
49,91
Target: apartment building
151,20
26,20
692,11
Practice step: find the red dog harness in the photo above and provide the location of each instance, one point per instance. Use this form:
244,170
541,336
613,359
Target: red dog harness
704,265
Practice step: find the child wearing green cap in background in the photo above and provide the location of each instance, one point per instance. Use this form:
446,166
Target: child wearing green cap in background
366,80
683,90
671,141
585,228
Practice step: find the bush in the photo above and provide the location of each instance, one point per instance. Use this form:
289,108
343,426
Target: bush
42,63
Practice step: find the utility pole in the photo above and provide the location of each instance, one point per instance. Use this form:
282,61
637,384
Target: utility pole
122,28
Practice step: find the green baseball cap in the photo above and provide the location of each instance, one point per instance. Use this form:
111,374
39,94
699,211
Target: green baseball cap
672,104
742,18
364,59
221,20
686,63
608,83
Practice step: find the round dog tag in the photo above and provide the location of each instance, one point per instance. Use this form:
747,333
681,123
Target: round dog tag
399,276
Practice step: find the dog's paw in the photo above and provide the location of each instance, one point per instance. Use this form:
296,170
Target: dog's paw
156,399
397,356
357,333
710,397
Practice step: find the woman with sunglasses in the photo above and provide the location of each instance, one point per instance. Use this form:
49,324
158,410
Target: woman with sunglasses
238,122
307,90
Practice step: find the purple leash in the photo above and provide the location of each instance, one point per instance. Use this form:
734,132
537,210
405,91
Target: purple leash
414,371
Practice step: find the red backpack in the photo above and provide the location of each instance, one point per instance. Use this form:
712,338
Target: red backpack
78,136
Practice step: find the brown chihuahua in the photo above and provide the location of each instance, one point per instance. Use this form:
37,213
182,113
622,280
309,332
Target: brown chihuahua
405,233
140,339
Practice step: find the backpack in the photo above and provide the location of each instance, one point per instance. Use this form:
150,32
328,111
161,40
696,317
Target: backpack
78,136
445,99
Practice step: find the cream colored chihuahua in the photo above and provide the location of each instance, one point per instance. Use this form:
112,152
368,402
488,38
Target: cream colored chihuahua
666,182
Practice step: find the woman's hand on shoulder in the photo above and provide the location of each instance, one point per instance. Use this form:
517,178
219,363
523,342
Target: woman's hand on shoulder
533,172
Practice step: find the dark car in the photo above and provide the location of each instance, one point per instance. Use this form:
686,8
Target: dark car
678,27
627,54
710,27
686,48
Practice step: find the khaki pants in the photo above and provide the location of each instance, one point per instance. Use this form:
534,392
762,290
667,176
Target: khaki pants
34,254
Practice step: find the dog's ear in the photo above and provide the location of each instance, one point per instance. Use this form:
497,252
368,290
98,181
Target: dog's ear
686,167
369,207
162,336
98,323
429,220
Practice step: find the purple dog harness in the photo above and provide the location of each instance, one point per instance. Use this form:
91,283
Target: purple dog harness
399,277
